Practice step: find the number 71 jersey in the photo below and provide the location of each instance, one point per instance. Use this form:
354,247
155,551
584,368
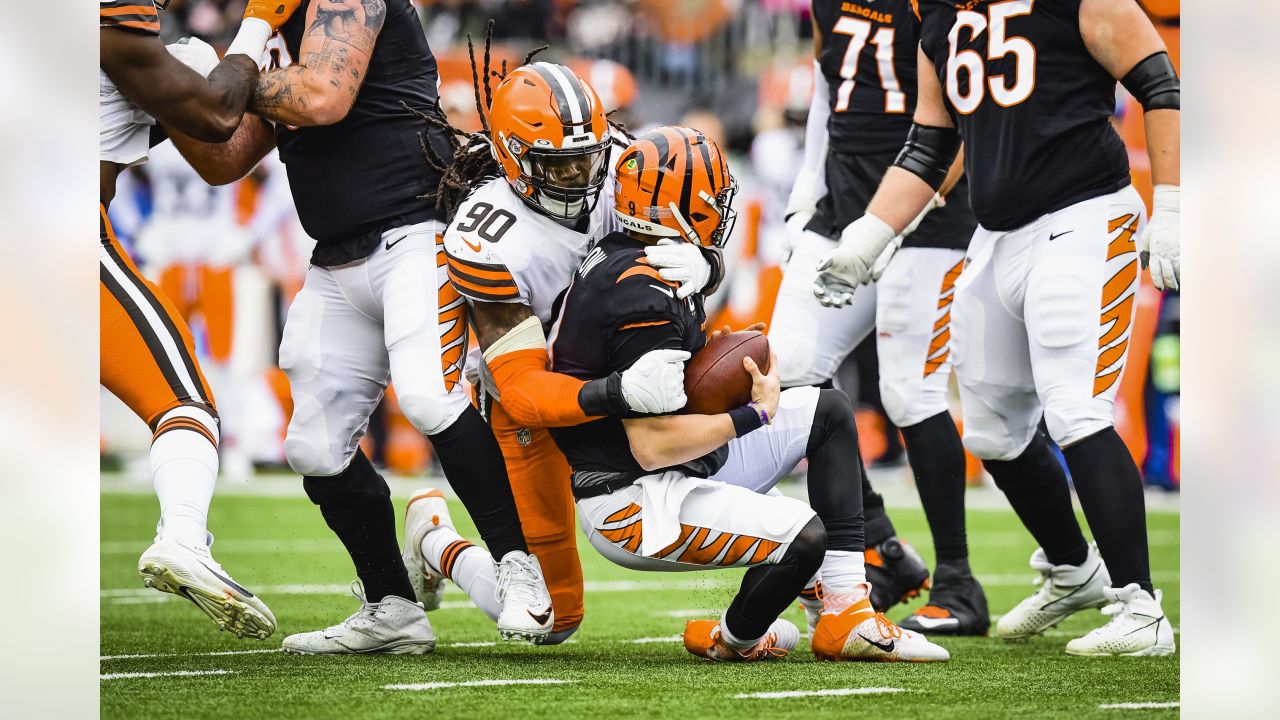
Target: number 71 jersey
866,50
1031,104
499,249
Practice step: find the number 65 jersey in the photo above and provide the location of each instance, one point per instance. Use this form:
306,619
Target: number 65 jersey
1031,103
501,250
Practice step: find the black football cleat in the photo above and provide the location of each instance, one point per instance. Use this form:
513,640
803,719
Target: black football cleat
896,573
957,606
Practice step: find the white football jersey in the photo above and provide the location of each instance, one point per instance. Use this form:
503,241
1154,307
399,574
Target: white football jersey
502,250
124,130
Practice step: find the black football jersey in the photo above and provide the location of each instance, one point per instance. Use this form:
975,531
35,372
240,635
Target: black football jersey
1030,102
362,175
868,57
617,309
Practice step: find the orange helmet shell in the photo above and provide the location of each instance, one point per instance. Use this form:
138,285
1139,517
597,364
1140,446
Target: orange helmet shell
544,110
675,182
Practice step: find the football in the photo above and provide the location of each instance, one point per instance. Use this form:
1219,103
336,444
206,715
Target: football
715,381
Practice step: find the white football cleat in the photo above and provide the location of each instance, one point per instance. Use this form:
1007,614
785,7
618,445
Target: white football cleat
526,605
1138,627
1064,590
395,626
426,511
191,572
859,633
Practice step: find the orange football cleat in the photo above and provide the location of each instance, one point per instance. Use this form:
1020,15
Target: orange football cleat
702,638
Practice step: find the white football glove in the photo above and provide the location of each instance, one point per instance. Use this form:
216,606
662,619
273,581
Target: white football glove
195,54
680,262
1159,246
793,231
882,261
655,383
849,265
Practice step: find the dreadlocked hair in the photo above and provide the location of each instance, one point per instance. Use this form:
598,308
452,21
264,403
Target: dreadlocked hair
473,159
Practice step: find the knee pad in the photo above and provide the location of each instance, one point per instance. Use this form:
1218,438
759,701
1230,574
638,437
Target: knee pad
809,545
1071,425
431,415
306,444
834,415
796,354
358,482
990,442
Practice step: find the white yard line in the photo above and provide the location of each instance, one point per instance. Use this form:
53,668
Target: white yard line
219,653
175,673
471,644
475,683
1139,706
689,613
831,692
649,640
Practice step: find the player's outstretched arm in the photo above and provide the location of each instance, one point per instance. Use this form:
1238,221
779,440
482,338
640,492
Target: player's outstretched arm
223,163
321,87
180,98
1122,39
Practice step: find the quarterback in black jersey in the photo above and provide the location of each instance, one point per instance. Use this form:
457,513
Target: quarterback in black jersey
1043,308
863,99
338,98
688,492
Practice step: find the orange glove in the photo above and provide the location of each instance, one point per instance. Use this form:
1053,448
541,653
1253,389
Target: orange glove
272,12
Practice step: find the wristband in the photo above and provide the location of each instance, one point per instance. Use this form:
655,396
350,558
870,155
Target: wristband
603,397
747,418
252,39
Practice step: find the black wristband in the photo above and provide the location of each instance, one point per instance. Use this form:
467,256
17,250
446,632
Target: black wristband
745,419
603,396
716,261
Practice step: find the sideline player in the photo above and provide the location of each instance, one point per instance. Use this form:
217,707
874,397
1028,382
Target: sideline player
528,200
689,492
146,351
375,306
863,97
1044,306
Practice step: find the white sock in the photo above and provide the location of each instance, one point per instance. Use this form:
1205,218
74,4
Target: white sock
732,641
184,469
467,565
843,572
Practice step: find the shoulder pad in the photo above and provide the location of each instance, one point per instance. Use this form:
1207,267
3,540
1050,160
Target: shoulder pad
483,246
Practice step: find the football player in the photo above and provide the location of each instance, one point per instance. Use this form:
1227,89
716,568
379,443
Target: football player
690,492
1043,309
528,199
146,351
863,97
375,307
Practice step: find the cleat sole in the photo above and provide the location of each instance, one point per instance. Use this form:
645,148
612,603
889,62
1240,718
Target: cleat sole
226,612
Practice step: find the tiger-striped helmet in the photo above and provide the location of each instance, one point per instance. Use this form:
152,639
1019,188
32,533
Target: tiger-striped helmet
551,139
674,182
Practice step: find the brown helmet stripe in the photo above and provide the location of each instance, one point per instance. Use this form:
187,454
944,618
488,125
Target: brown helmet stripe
557,92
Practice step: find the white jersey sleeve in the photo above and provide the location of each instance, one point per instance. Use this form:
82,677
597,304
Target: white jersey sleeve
481,245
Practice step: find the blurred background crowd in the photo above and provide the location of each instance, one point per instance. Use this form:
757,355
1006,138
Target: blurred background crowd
739,70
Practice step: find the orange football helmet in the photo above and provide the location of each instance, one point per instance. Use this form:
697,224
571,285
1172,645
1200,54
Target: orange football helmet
674,182
551,139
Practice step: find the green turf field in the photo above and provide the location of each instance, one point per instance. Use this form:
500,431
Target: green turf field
625,661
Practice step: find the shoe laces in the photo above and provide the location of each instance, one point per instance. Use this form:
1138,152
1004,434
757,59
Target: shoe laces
518,579
365,615
767,646
887,628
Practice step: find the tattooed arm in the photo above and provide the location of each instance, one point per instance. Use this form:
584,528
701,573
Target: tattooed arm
335,53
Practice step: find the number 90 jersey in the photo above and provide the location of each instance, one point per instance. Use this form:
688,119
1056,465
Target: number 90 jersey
501,250
867,53
1031,103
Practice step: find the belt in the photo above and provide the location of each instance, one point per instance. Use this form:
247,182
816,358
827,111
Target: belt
606,487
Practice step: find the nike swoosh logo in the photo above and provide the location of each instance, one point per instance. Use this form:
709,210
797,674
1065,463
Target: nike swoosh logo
227,580
885,647
397,242
1055,237
670,293
540,619
473,246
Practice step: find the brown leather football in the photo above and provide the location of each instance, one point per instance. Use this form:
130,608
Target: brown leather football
714,379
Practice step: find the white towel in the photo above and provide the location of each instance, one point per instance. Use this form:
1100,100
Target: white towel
660,499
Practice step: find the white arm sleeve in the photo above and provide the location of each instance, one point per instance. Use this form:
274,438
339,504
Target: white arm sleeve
811,183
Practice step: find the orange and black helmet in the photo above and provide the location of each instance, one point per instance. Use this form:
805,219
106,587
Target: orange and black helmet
674,182
551,139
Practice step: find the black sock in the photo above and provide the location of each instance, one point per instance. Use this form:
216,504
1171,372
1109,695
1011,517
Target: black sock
472,461
356,504
1110,490
937,459
1037,489
768,590
835,493
877,523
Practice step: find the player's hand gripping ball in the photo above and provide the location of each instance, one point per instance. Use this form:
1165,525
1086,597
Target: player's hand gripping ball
715,380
